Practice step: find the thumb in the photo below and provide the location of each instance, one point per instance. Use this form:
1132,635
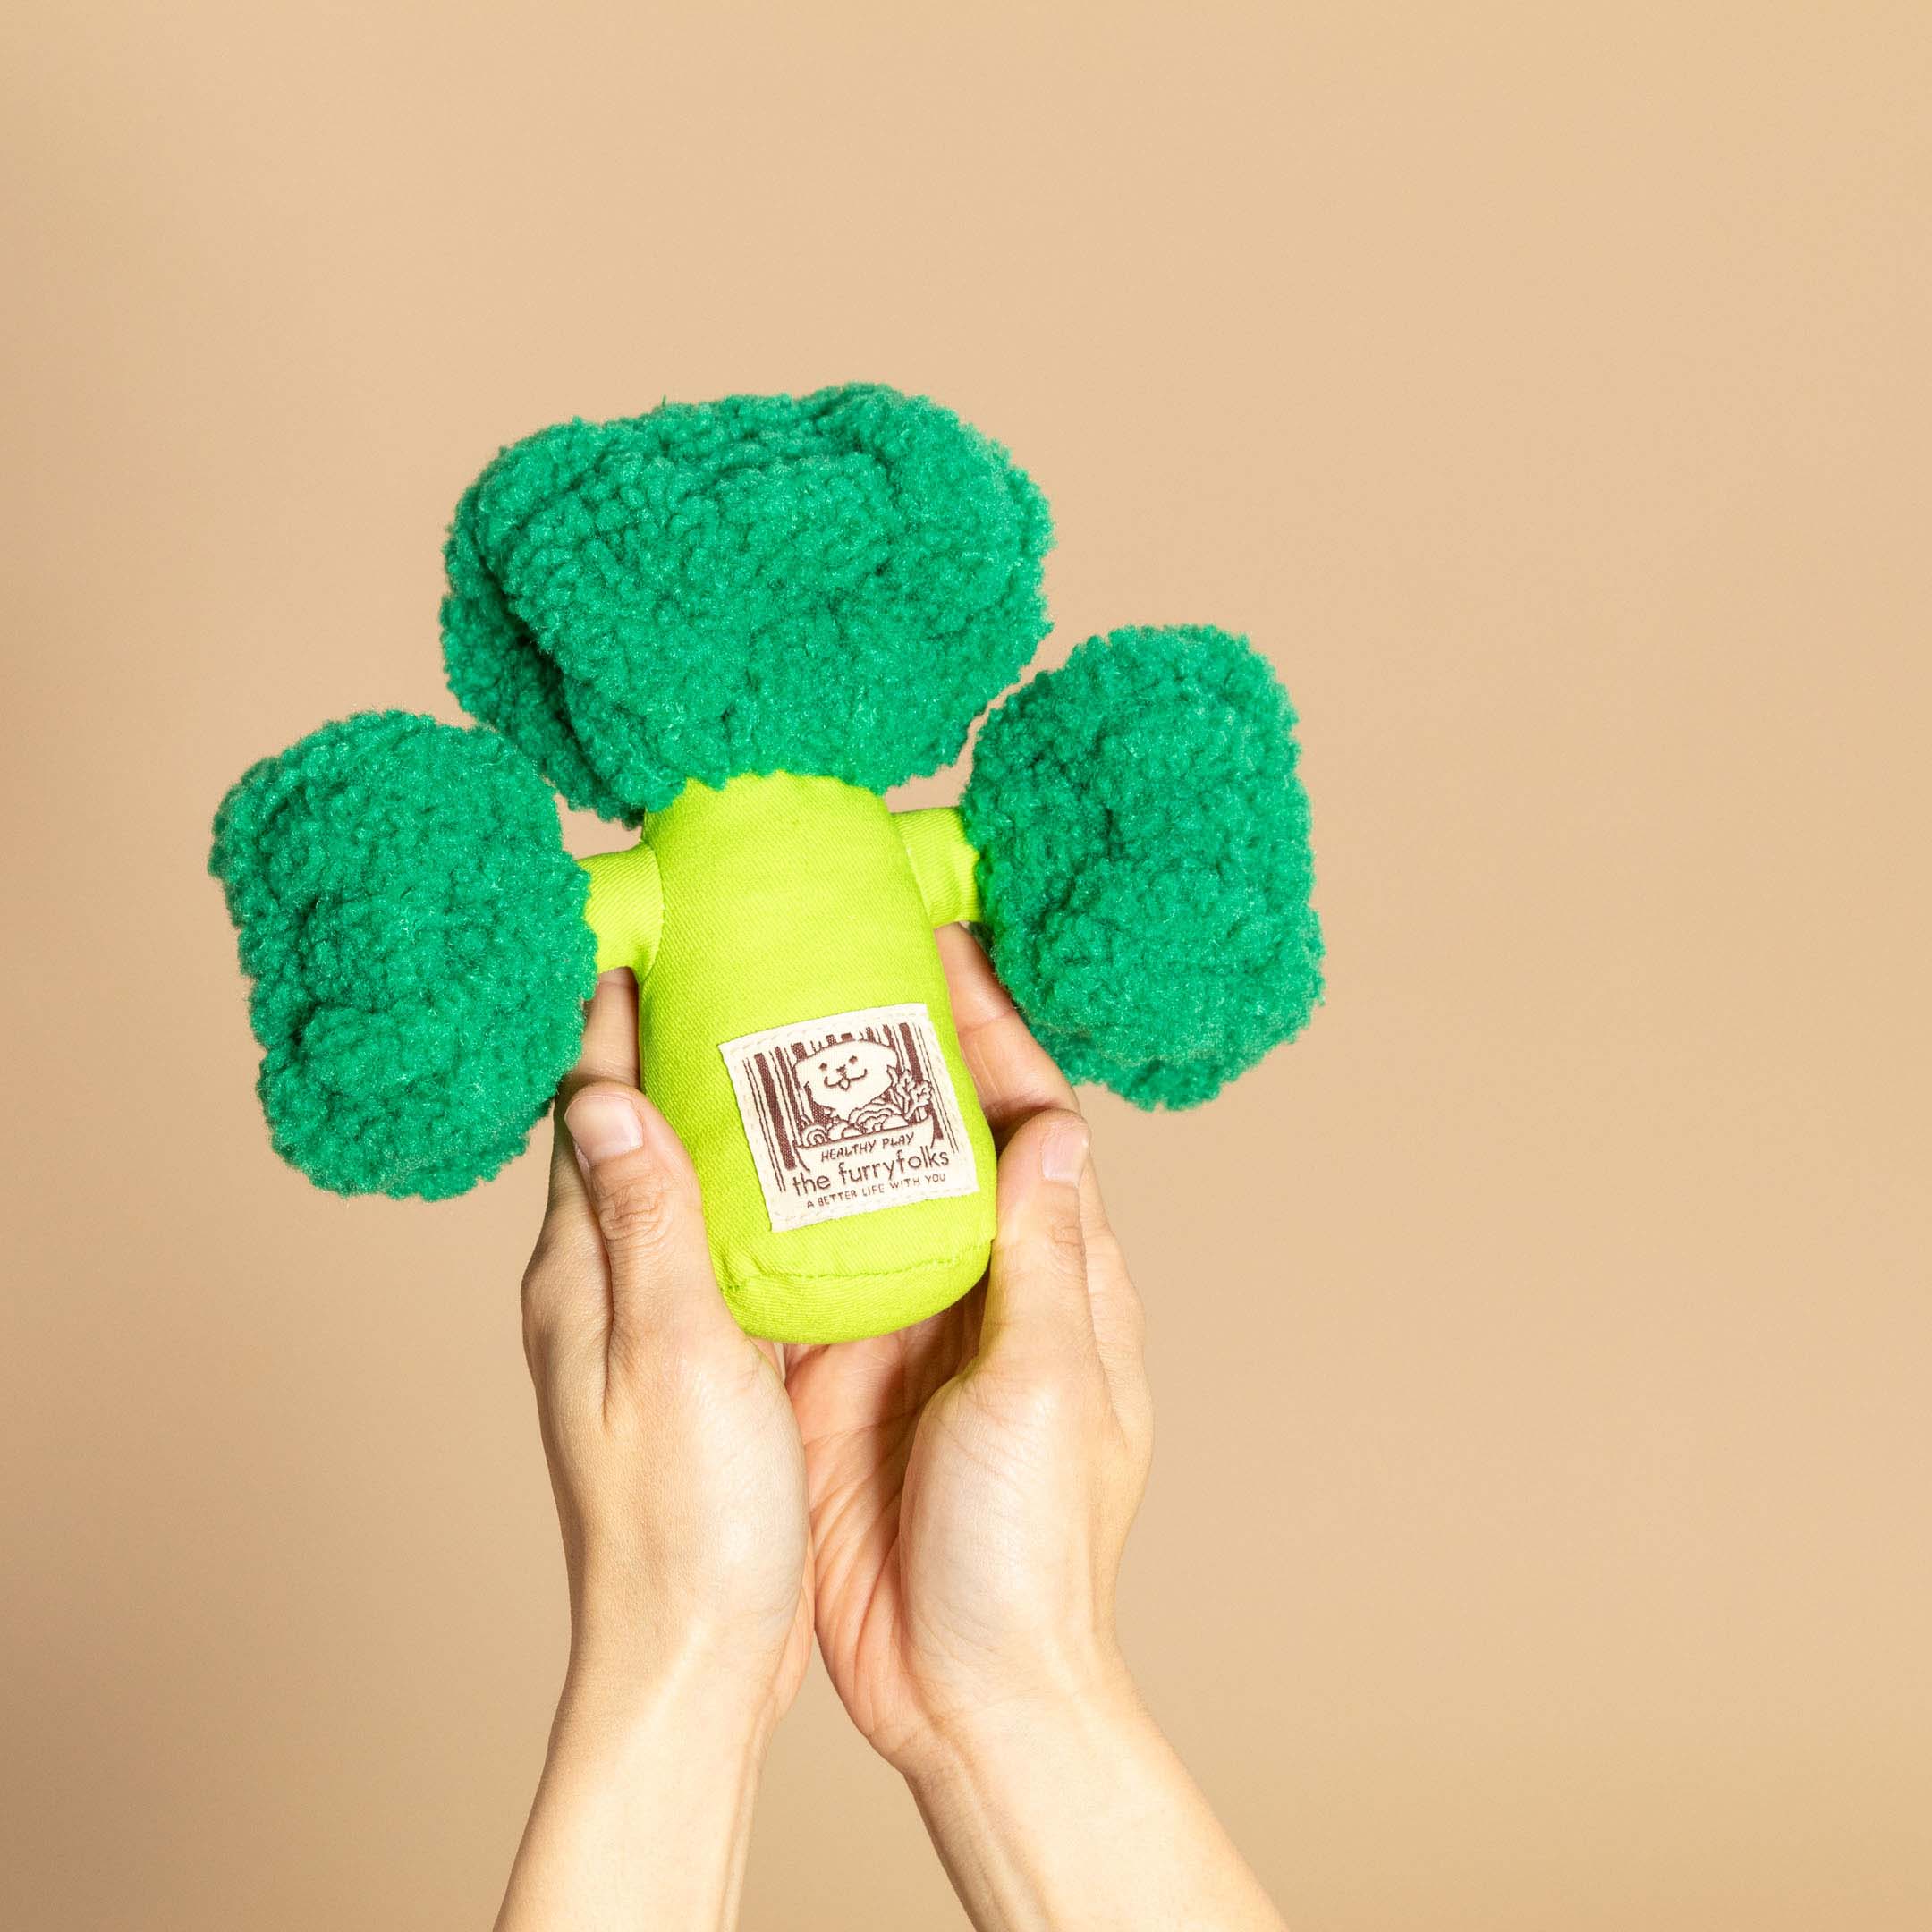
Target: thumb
1037,1294
644,1195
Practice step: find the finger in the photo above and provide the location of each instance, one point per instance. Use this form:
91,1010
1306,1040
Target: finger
610,1036
609,1051
1015,1079
566,1308
645,1202
1119,1319
1013,1073
1036,1294
566,1289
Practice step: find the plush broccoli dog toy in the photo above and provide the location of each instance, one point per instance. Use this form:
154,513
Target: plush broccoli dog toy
734,626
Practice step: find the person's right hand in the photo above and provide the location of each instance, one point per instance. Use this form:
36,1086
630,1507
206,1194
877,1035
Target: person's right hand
681,1492
675,1459
972,1479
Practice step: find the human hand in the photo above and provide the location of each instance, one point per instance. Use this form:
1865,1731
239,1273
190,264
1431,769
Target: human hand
673,1452
972,1483
972,1479
679,1486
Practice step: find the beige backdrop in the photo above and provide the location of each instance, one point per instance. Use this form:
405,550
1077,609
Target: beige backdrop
1538,1534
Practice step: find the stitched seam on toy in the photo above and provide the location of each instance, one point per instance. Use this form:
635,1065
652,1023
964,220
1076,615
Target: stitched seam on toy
834,1277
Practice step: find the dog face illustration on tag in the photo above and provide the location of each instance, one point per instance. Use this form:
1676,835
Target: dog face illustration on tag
849,1114
853,1086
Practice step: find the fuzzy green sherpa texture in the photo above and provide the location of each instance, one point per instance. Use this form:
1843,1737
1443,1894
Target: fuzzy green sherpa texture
415,931
1144,862
832,585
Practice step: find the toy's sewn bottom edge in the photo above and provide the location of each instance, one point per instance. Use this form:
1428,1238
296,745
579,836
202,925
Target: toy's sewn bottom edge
815,1308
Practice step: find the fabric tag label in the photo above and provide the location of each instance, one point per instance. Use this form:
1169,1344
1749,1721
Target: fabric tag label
849,1114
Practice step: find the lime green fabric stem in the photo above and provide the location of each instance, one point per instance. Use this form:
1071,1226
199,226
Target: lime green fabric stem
625,909
944,864
771,903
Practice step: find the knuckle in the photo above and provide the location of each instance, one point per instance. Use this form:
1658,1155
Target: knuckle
542,1258
1048,1407
1063,1402
665,1392
636,1211
539,1329
560,1292
1038,1406
534,1321
1064,1245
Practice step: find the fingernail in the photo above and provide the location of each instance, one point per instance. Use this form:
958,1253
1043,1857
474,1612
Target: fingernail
603,1125
1063,1155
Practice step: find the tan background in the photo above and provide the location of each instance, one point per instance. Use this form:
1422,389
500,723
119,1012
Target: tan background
1538,1531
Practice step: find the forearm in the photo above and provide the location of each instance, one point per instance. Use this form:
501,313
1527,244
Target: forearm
643,1814
1081,1815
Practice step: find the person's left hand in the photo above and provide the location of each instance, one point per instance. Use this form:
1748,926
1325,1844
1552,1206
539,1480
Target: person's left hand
973,1476
679,1477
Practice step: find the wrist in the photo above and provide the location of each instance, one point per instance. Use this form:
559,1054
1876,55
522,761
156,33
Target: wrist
639,1650
1068,1809
639,1761
1075,1810
975,1739
614,1695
